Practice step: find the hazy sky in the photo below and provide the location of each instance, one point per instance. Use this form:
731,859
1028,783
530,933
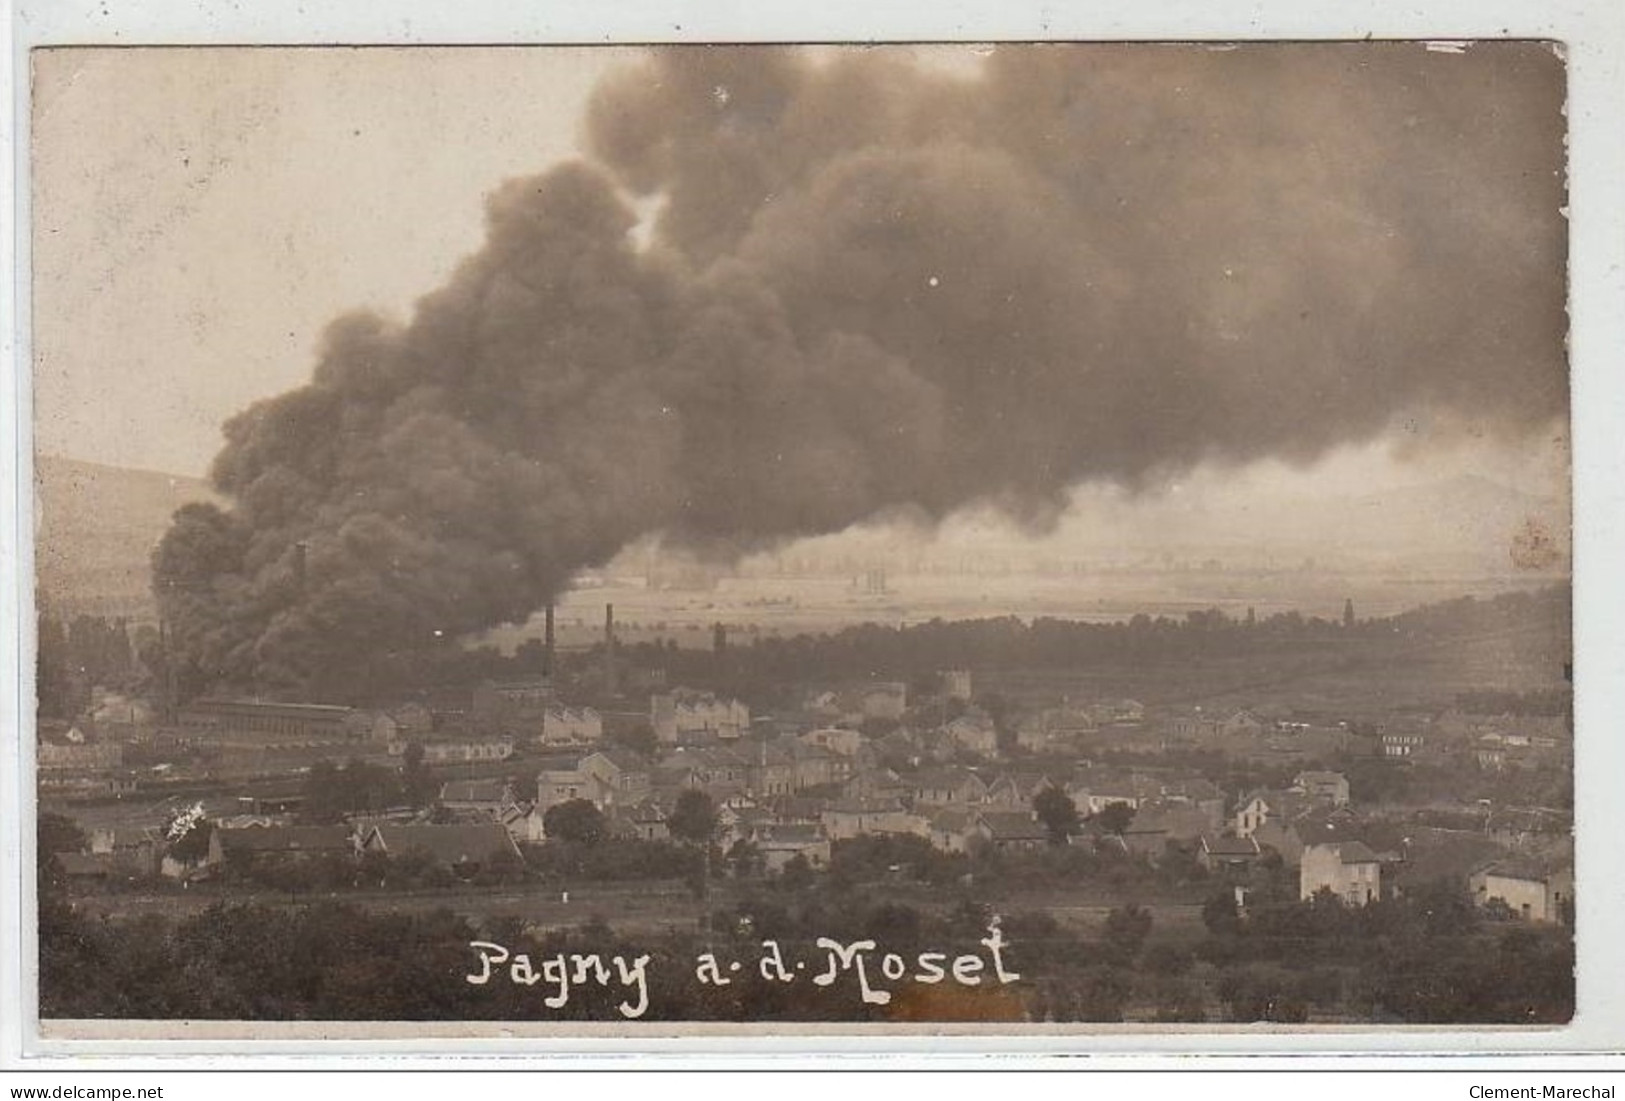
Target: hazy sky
200,216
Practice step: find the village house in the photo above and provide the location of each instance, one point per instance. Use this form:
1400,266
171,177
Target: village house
955,829
1428,855
848,818
217,719
1011,830
835,739
877,783
525,823
780,843
1016,790
900,747
1330,788
816,766
487,798
133,852
703,767
1032,736
687,716
372,726
457,751
1226,854
1403,744
622,775
973,732
885,701
1193,726
412,720
1100,788
1123,712
80,756
951,786
561,781
1531,890
1147,835
1349,869
464,849
646,821
770,768
1066,723
807,809
89,867
571,726
1282,837
1157,825
735,821
605,778
1241,724
1199,793
1528,827
1264,805
286,843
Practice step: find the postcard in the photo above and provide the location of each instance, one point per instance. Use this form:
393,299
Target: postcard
1025,539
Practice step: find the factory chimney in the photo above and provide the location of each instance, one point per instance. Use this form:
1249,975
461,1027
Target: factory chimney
609,649
548,642
719,638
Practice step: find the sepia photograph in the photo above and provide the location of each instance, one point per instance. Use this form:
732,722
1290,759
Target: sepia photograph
1055,537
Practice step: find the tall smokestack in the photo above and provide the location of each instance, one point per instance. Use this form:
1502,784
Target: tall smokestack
609,649
548,642
719,638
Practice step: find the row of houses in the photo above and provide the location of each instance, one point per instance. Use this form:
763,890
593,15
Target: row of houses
464,848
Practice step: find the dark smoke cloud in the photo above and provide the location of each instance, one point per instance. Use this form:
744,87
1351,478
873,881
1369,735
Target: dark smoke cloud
874,286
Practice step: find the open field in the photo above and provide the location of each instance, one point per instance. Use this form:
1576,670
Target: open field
640,907
785,606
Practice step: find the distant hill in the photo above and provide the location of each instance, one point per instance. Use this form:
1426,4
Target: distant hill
1466,523
96,526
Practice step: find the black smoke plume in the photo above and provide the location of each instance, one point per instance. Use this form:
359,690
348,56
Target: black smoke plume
875,285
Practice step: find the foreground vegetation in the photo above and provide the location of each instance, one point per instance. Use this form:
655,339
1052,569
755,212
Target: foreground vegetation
1429,957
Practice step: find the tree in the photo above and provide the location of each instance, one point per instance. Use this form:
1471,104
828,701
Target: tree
1115,817
576,820
417,782
51,662
187,830
1126,929
54,834
797,873
746,859
1220,915
1059,814
694,819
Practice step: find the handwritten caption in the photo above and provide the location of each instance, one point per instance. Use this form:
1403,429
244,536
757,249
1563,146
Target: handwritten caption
861,962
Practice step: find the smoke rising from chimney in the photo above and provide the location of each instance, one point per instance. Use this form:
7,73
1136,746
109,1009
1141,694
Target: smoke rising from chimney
878,287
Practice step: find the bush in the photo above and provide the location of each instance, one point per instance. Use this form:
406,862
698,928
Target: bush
1256,994
1179,1002
1167,959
